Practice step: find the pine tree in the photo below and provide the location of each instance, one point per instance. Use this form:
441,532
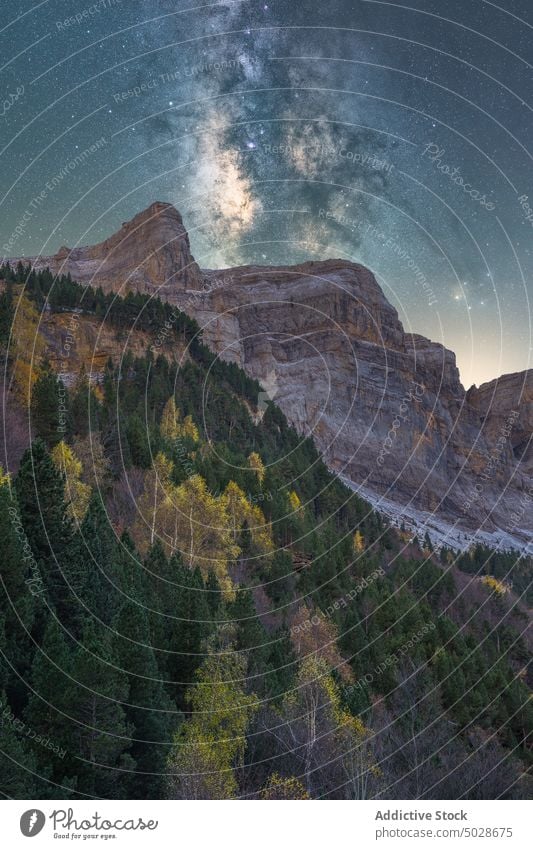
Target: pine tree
251,637
7,312
149,710
189,629
18,765
48,712
138,442
100,734
17,580
95,563
39,489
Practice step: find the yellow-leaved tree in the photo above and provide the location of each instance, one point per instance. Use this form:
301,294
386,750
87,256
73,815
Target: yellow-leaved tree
203,531
189,429
281,788
172,427
294,502
358,542
27,348
241,511
256,464
77,493
186,518
155,511
170,420
210,746
499,587
333,746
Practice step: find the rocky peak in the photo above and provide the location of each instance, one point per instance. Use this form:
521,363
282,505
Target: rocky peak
151,254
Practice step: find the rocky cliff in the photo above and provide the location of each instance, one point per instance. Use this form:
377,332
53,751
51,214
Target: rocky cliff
150,254
386,408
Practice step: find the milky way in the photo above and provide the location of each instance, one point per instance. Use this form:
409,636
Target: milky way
396,135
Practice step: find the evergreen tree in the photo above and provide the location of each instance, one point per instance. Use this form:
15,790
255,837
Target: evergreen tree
6,312
149,712
48,712
39,489
18,765
100,734
17,580
189,626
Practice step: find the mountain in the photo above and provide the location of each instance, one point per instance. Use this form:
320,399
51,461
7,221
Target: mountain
386,408
178,555
148,252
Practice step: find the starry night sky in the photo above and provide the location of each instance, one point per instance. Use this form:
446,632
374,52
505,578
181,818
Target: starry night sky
392,134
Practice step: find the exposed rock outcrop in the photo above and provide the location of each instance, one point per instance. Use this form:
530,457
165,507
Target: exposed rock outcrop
387,409
151,254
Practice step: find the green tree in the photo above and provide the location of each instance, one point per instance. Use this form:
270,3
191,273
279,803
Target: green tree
18,765
100,734
6,312
40,494
210,746
149,711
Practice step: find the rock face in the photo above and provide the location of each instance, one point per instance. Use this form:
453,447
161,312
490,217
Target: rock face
496,401
149,254
386,408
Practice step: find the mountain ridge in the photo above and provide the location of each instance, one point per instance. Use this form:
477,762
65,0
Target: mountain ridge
386,408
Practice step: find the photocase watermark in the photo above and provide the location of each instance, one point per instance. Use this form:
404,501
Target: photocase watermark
260,498
341,602
527,209
403,255
36,203
9,717
435,155
32,822
392,659
182,453
168,77
86,14
9,101
35,583
415,394
494,459
65,819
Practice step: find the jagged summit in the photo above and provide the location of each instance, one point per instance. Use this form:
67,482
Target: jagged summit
149,253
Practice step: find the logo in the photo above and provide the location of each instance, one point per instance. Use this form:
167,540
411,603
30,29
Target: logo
32,822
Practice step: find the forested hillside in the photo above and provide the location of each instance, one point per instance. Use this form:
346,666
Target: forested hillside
194,607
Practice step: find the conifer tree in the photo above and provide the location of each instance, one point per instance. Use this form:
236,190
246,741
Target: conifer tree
40,490
149,711
18,765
